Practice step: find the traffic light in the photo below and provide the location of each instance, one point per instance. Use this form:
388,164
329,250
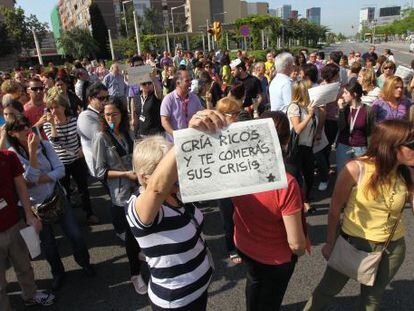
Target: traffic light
215,31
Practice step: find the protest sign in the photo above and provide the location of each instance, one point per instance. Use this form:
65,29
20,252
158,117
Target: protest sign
137,74
324,94
241,159
405,74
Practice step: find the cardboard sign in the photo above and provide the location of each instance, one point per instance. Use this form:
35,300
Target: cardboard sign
137,74
324,94
405,73
241,159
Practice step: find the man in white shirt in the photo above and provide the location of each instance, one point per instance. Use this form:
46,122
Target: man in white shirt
88,120
280,89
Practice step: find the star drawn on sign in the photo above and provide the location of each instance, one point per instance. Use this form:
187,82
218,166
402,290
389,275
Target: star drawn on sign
271,178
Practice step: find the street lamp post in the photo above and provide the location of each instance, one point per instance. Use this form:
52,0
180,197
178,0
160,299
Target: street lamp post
125,16
172,15
222,13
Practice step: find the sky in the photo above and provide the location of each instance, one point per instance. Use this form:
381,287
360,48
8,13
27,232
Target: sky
338,15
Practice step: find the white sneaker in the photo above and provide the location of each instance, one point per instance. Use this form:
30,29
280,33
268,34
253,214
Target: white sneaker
139,284
323,186
121,236
40,298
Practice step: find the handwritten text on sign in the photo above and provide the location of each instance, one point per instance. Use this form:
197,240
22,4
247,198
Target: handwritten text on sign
244,158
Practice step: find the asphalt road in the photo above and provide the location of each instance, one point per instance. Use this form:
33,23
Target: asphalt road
399,49
111,290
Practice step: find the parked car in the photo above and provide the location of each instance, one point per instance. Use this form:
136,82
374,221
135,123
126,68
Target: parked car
412,47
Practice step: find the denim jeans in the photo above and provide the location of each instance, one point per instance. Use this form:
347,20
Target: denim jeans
344,153
72,231
227,211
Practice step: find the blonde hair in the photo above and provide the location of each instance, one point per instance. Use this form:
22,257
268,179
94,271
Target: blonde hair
388,63
55,96
148,153
300,95
369,79
387,92
228,104
10,87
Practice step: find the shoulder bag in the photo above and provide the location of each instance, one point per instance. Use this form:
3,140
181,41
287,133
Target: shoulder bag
357,264
51,209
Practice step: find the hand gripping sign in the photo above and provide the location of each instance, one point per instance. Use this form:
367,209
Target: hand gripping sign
241,159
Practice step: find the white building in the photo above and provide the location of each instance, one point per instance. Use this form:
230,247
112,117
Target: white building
283,11
387,15
366,16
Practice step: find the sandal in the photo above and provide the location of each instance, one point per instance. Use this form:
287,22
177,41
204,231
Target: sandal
235,258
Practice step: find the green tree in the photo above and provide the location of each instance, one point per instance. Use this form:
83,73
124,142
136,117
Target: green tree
78,42
19,27
6,46
153,22
99,30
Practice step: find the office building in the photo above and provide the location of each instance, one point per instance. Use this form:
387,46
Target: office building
75,13
313,15
366,16
284,11
387,15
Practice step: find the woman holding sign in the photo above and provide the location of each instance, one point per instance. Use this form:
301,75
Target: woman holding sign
372,190
303,120
168,231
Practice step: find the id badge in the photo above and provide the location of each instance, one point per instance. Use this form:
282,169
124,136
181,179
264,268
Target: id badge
3,203
142,118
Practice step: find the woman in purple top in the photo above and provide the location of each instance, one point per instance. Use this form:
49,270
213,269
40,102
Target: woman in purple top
392,103
355,123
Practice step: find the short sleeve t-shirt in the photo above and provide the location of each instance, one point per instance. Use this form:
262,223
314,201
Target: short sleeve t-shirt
308,133
10,167
383,111
259,231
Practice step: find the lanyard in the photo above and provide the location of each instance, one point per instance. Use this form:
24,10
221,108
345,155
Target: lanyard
353,120
143,100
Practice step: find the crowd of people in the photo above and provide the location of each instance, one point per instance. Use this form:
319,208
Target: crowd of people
63,127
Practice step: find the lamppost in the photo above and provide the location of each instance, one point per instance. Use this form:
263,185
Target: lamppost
172,15
125,16
222,13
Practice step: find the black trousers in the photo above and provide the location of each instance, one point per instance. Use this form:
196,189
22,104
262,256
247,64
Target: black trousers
305,168
266,284
200,304
132,247
79,171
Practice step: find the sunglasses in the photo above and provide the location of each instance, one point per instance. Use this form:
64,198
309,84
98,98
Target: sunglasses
409,145
36,88
232,114
103,98
146,83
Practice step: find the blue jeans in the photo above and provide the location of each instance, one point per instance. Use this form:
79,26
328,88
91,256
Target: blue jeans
72,231
344,153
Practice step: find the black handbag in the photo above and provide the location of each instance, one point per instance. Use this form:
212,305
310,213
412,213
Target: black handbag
51,209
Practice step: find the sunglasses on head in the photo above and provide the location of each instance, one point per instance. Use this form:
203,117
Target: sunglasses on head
36,88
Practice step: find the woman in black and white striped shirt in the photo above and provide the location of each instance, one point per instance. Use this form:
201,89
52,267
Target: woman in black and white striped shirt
168,231
61,130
